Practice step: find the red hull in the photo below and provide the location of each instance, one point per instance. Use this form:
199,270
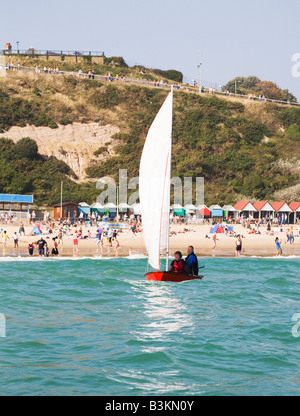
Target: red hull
170,277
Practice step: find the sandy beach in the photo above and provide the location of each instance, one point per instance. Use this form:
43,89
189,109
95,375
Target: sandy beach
261,245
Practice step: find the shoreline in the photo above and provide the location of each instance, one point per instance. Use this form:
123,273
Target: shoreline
254,245
140,257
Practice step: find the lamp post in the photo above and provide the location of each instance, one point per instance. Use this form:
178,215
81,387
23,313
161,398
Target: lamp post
235,83
17,52
200,73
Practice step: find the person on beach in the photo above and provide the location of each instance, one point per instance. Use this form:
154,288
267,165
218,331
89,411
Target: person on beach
60,238
16,240
30,249
134,230
214,242
287,236
292,238
238,246
41,246
179,265
75,242
4,239
55,247
116,246
22,229
109,237
99,240
278,246
115,234
192,261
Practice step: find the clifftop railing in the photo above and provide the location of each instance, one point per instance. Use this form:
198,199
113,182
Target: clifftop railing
35,52
146,83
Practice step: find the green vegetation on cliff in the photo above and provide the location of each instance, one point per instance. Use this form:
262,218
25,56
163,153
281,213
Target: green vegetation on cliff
253,85
235,145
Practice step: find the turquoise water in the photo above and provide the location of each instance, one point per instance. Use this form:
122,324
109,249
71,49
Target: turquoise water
97,327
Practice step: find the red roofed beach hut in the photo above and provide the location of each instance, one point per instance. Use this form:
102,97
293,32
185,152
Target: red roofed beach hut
246,208
264,210
295,207
283,211
204,211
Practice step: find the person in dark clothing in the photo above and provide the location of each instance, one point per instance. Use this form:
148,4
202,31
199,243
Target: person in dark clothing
41,244
30,249
55,247
179,265
192,261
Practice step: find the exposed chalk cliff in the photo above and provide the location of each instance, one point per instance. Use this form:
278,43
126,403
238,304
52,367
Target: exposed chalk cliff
75,143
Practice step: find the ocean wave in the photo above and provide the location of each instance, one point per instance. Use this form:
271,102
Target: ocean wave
67,258
136,257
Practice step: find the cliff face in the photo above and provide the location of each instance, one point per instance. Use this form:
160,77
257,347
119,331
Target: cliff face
74,144
243,149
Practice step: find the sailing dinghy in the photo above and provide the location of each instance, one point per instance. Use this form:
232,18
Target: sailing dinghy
154,185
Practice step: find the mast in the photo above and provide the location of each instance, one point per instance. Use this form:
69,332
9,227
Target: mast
117,203
168,223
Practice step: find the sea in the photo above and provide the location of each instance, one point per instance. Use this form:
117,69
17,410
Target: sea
96,326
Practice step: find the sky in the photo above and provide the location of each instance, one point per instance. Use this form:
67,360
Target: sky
234,37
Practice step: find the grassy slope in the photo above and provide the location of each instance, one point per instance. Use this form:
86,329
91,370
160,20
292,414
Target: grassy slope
220,139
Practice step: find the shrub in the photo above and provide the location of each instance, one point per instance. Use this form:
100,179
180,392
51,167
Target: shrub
293,132
26,148
100,151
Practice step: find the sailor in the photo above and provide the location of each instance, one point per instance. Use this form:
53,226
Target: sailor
192,261
179,265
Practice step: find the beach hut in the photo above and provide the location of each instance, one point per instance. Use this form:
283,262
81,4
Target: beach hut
283,211
295,207
136,209
65,210
264,210
203,211
190,209
111,210
123,209
178,210
229,211
97,208
217,229
84,209
216,212
245,208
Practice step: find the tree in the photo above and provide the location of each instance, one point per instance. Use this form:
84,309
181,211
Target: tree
26,148
174,75
242,83
289,96
171,74
270,90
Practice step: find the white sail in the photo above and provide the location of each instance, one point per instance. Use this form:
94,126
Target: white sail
154,183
